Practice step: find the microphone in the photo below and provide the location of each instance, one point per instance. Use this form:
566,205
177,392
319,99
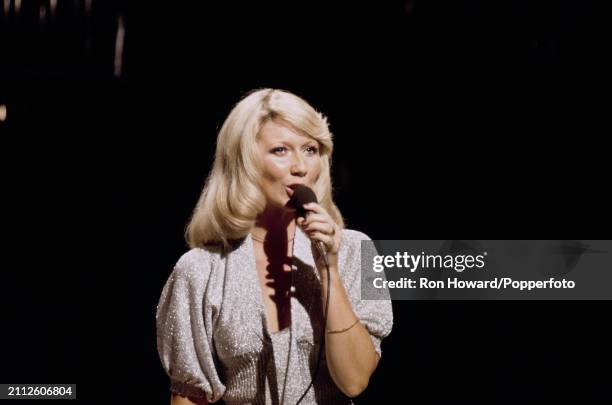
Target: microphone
303,195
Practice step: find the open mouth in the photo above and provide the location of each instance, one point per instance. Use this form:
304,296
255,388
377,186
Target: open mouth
292,187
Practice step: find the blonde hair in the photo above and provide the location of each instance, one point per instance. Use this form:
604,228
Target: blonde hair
232,198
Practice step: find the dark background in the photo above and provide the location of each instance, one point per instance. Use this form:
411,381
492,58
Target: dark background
452,120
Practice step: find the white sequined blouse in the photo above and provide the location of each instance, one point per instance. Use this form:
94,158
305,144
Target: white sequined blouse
212,334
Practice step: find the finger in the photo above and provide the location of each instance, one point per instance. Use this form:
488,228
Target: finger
326,239
315,218
315,207
323,227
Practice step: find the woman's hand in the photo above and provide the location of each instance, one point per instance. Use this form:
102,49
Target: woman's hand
320,226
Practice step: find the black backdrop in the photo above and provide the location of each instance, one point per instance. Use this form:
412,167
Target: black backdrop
458,120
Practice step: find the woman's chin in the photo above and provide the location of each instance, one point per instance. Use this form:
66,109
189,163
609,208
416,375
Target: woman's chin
289,207
284,206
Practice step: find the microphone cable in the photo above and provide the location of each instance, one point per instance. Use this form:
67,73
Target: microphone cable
322,341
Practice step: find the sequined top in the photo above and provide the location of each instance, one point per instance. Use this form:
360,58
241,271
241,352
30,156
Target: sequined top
212,334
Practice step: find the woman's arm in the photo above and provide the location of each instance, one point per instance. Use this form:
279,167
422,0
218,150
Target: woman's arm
179,400
351,357
183,320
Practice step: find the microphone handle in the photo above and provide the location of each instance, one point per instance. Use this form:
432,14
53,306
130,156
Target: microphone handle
321,249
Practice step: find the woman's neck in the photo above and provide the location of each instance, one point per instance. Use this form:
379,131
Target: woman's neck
278,225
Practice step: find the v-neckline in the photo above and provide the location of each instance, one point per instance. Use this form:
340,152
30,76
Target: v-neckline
302,256
259,291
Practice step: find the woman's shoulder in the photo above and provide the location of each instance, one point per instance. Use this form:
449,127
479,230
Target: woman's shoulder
354,236
194,264
351,241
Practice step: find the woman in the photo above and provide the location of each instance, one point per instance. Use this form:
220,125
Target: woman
241,315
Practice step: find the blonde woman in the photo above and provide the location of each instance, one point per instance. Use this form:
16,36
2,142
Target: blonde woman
241,315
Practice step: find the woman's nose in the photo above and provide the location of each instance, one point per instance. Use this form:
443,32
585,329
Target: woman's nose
298,166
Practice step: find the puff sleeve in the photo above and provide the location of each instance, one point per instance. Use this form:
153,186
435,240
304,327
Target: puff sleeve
375,314
184,323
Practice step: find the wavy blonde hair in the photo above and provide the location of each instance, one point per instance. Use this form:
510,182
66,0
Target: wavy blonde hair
232,197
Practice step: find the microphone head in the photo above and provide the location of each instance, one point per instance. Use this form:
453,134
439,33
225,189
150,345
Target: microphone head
302,195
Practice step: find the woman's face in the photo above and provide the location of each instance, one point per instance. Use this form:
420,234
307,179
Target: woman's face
288,159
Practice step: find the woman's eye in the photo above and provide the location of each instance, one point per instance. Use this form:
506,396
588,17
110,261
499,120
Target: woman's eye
312,150
279,150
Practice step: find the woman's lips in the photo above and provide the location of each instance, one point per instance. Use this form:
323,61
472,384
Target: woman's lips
291,187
